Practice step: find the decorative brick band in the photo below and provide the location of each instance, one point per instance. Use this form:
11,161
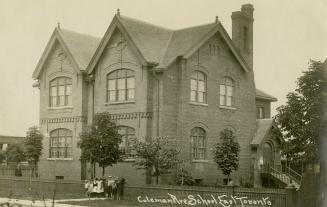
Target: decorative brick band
65,119
135,115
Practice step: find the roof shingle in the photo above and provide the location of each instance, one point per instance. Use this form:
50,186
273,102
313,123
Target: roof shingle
263,128
81,46
263,95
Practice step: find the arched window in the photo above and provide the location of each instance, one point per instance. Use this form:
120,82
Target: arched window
61,92
61,143
198,87
120,85
126,146
198,139
226,92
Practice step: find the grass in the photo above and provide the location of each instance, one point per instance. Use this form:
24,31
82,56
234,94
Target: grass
34,195
103,203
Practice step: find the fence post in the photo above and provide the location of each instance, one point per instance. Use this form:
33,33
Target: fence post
290,196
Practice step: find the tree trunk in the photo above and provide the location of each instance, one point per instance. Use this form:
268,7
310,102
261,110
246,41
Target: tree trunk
93,165
103,170
157,179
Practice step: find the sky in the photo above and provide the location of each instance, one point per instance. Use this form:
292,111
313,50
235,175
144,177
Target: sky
287,34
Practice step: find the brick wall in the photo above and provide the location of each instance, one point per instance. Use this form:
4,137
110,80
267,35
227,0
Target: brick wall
209,116
266,105
58,64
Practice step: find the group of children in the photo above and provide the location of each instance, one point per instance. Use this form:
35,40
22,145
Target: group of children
112,187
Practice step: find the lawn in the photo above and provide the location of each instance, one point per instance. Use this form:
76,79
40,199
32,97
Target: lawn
103,203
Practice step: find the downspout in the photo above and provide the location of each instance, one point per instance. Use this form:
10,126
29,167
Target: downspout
158,101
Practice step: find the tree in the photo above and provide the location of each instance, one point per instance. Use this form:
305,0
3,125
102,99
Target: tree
2,156
155,155
301,118
15,153
33,146
100,144
226,152
183,175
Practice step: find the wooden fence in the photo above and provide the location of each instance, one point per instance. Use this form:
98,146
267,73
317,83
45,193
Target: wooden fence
36,188
150,195
208,196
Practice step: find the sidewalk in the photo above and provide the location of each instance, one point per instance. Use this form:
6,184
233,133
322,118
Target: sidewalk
39,203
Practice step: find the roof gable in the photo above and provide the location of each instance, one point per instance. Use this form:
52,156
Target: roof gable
151,40
115,23
78,47
219,28
153,45
264,127
159,45
81,46
182,40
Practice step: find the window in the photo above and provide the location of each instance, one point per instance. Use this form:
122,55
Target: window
226,92
198,139
260,113
127,134
61,92
214,49
120,85
198,87
61,143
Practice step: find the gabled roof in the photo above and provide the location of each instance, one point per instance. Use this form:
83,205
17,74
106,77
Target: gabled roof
159,45
151,40
264,127
79,48
183,40
153,45
265,96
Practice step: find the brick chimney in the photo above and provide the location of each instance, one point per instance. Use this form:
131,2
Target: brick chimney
242,32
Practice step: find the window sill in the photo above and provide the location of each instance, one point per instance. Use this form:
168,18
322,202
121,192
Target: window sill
119,102
60,107
198,104
200,161
227,107
60,159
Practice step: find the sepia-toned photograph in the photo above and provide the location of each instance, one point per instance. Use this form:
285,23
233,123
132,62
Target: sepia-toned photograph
163,103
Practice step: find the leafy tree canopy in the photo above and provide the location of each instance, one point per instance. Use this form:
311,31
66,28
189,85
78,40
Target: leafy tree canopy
157,155
2,156
15,153
226,152
100,144
301,118
33,144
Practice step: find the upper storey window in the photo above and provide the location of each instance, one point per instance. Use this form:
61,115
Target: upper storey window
61,92
198,87
260,113
226,92
121,85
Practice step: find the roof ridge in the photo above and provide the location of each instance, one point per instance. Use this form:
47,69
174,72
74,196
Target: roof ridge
195,26
144,22
79,33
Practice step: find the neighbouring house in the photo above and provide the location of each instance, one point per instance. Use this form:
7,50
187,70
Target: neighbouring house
187,84
5,141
